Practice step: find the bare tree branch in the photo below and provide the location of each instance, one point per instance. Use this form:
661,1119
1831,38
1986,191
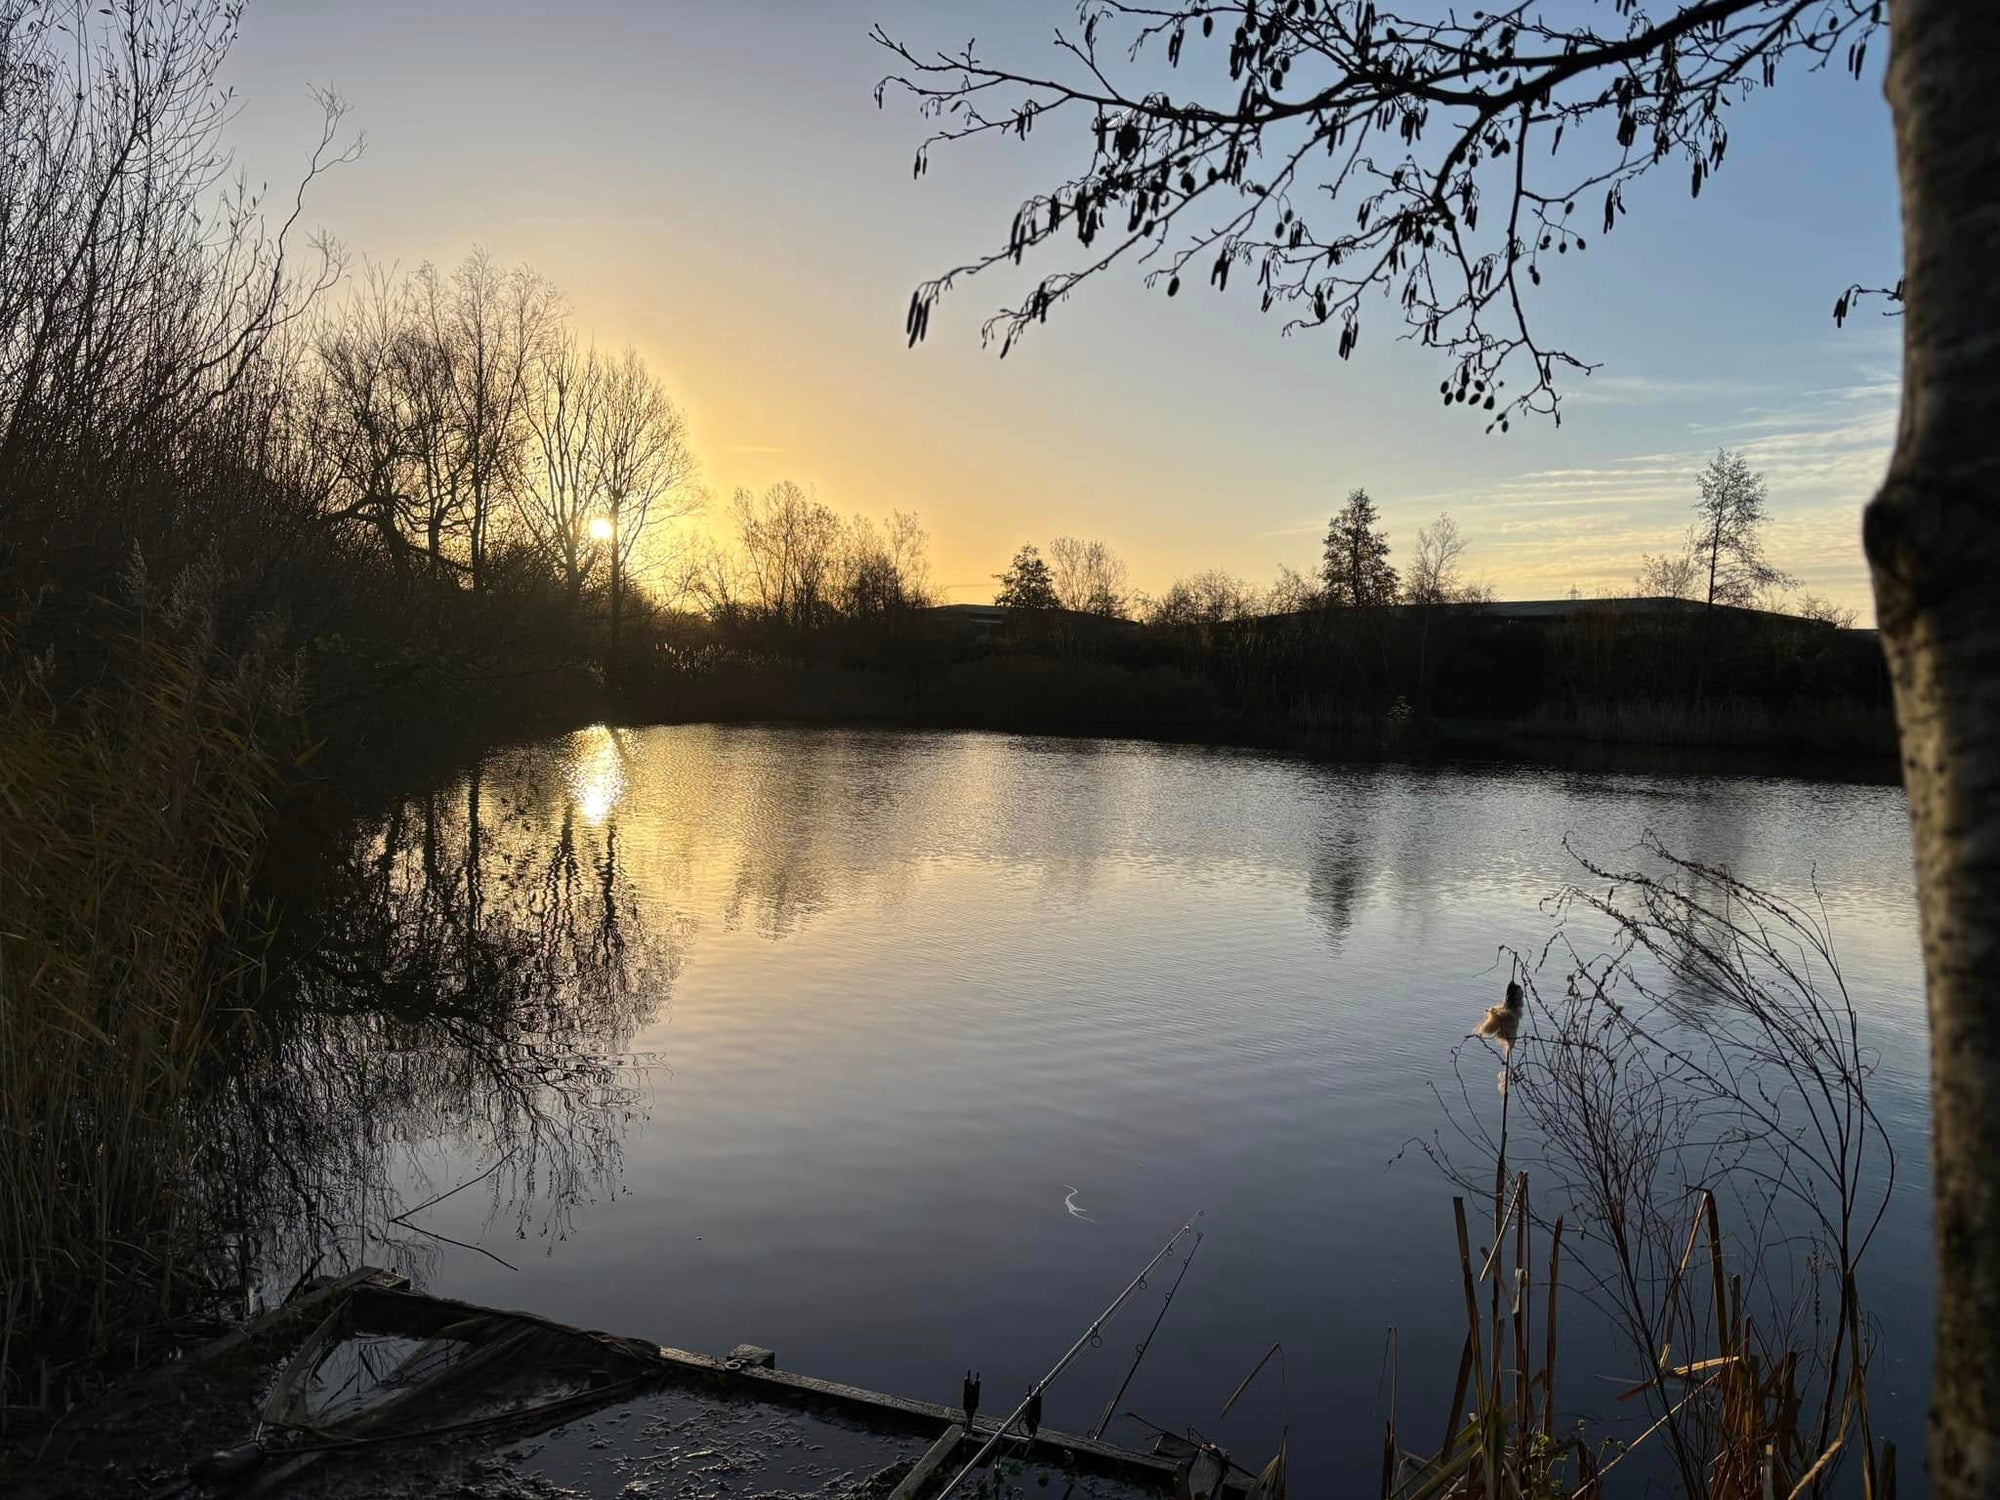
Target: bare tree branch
1338,150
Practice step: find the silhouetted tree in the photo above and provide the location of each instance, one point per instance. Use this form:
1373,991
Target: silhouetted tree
429,385
1671,575
359,415
1356,567
139,284
1088,577
1824,611
1436,572
908,548
1342,148
1728,534
791,546
486,328
883,568
1211,597
1293,592
1027,584
644,466
558,500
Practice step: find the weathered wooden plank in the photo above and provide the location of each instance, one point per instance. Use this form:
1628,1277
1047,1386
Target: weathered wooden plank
918,1480
303,1310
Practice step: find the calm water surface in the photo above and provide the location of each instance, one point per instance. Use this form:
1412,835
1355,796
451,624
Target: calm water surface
882,1000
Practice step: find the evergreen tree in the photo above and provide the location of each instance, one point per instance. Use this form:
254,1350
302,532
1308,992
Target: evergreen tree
1356,569
1027,584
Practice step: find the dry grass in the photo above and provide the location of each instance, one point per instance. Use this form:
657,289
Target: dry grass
132,817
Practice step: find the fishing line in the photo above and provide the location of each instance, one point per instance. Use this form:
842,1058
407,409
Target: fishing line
1139,1355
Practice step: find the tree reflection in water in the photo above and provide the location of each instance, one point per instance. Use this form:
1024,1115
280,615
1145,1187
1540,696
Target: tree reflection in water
453,1012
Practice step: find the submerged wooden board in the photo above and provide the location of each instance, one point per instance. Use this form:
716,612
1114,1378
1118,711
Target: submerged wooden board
1048,1444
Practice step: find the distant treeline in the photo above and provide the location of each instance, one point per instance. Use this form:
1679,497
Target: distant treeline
1647,672
802,613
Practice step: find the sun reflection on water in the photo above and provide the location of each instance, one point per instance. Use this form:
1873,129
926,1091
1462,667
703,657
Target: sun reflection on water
597,773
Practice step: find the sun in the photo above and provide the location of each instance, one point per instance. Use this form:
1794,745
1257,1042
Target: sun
600,528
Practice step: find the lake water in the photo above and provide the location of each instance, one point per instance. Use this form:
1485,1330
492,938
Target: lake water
829,1025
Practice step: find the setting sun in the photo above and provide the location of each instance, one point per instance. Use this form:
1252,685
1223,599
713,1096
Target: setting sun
600,528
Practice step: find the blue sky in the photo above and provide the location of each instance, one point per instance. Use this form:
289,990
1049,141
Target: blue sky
711,181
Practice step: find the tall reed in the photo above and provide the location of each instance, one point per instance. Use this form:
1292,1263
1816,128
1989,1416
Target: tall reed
132,817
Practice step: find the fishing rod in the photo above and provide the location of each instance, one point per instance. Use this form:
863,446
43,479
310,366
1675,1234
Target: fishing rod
1033,1400
1146,1343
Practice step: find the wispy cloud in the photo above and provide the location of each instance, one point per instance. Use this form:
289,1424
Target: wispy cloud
1635,390
1822,455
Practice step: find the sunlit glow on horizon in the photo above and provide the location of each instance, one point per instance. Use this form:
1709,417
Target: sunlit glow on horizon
1186,436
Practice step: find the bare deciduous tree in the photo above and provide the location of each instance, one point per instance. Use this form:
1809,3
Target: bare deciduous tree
1670,575
790,546
713,577
1728,540
909,551
491,326
361,417
430,385
1293,593
1436,573
139,281
559,497
1211,597
883,569
643,465
1822,610
1089,577
425,379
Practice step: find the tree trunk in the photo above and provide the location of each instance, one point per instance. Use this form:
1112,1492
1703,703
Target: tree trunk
617,600
1933,539
478,537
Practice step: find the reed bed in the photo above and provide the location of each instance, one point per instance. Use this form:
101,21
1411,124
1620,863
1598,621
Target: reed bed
132,817
1707,1055
1506,1433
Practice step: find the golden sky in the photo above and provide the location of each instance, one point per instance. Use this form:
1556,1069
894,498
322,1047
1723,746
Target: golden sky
712,182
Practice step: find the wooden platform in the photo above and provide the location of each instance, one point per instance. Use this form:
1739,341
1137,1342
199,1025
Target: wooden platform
750,1371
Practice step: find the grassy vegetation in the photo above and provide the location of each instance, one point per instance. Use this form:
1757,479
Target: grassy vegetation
132,815
185,568
191,1090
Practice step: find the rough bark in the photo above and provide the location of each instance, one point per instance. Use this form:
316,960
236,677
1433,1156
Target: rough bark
1933,539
